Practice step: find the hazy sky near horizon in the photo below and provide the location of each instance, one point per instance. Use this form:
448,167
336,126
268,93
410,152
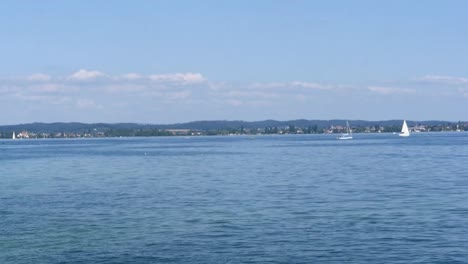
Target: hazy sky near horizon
176,61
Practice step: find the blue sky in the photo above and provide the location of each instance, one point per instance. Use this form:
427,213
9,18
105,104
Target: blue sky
177,61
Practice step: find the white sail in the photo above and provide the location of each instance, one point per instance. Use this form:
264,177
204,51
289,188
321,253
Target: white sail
348,134
14,136
404,130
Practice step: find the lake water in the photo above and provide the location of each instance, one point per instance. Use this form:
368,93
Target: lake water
245,199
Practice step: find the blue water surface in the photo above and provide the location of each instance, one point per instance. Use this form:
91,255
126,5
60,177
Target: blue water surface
377,198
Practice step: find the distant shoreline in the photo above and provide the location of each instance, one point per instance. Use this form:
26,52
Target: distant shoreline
207,128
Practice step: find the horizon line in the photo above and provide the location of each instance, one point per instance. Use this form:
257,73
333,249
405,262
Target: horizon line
234,120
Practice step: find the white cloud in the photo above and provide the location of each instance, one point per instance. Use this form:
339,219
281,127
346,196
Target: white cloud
184,78
254,94
389,90
309,85
272,85
132,76
83,75
295,84
40,77
444,79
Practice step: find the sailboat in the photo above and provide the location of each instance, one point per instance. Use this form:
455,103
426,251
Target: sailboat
348,134
404,130
14,136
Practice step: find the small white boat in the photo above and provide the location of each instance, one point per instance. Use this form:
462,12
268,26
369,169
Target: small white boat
348,134
404,130
14,135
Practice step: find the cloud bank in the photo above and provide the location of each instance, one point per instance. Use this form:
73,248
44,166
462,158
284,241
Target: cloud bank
440,79
83,75
93,94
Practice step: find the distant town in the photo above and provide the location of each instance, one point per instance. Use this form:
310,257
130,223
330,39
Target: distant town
206,128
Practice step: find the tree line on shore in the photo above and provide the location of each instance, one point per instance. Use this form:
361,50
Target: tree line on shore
72,130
